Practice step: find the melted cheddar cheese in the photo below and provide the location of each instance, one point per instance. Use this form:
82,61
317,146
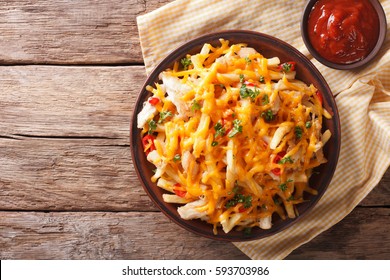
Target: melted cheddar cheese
234,136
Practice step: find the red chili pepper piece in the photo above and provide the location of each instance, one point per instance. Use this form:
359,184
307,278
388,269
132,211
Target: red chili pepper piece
277,171
179,190
287,66
154,101
148,143
249,84
293,65
279,156
319,96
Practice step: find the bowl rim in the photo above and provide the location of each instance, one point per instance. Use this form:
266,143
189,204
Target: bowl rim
185,48
339,66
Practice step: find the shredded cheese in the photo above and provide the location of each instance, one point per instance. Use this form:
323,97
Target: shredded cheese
240,140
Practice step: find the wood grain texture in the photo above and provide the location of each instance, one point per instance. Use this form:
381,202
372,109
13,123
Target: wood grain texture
39,174
58,101
94,235
380,195
104,236
65,32
64,134
363,234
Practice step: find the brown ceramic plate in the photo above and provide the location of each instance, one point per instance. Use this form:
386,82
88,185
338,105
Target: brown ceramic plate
269,47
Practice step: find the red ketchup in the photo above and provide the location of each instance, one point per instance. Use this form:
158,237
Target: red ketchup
343,31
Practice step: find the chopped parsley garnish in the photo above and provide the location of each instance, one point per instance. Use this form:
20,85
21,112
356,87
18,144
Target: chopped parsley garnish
176,158
285,160
195,105
308,124
242,78
219,130
248,60
290,198
237,128
164,115
265,99
185,62
247,92
298,132
283,186
261,79
268,115
287,66
246,200
230,203
236,188
214,143
152,126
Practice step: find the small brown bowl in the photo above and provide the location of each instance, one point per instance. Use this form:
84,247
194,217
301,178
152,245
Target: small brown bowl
381,38
269,47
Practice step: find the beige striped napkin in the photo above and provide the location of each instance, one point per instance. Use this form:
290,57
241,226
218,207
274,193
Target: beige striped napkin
363,99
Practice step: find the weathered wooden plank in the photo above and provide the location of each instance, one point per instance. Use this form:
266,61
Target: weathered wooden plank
65,101
60,174
61,32
94,235
363,234
90,103
103,236
380,195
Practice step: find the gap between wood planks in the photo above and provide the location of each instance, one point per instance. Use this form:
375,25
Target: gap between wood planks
19,136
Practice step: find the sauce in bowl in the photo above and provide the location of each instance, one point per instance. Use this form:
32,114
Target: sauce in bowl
343,31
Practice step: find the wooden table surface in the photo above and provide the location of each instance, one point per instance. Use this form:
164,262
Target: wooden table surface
69,75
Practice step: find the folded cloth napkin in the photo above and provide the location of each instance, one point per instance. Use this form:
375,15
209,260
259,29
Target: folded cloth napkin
362,96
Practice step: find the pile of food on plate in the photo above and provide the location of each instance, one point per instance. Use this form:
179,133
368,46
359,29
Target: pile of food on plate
234,136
